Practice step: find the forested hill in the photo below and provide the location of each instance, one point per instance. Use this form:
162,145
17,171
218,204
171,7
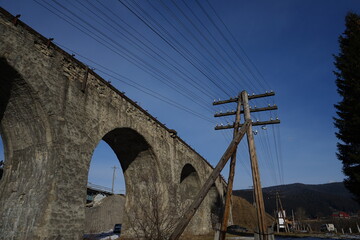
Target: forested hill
308,200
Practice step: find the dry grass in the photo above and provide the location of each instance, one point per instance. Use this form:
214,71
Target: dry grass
244,214
199,237
192,237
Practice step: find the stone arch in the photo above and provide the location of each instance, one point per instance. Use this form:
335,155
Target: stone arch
135,155
209,214
128,145
189,187
140,168
102,216
26,136
189,181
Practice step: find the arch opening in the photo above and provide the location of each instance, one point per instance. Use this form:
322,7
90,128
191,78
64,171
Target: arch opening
8,77
189,188
105,198
105,170
189,181
129,152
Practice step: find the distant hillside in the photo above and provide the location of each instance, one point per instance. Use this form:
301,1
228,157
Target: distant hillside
316,200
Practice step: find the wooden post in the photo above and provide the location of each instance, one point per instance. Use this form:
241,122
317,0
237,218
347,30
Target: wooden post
293,219
255,171
184,221
227,206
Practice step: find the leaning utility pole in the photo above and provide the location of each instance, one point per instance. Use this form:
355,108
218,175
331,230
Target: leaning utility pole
226,211
243,100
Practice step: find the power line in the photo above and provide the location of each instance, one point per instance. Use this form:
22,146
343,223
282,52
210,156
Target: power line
238,44
153,49
219,45
148,68
176,49
200,43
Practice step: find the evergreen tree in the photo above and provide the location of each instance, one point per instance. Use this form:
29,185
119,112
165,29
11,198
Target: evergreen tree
348,109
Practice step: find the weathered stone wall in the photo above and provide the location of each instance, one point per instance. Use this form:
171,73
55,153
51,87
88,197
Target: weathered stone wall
51,121
104,215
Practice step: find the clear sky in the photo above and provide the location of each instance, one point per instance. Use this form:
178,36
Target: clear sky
280,45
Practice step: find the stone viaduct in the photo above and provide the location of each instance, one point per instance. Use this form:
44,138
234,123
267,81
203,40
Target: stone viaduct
53,113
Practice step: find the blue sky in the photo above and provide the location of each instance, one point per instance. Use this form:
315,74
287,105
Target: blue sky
291,43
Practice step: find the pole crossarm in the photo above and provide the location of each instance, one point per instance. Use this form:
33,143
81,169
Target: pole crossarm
267,94
184,221
251,110
259,123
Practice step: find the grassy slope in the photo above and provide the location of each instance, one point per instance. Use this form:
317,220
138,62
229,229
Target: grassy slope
244,214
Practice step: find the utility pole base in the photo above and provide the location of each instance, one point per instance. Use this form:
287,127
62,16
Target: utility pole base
267,236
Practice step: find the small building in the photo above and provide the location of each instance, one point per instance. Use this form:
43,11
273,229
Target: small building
340,214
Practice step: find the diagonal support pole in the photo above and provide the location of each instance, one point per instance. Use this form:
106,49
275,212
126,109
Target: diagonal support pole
184,221
231,176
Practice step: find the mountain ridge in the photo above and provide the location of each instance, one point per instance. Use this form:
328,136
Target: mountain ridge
313,200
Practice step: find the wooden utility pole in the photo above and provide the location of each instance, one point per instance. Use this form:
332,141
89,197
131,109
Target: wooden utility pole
259,200
243,100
